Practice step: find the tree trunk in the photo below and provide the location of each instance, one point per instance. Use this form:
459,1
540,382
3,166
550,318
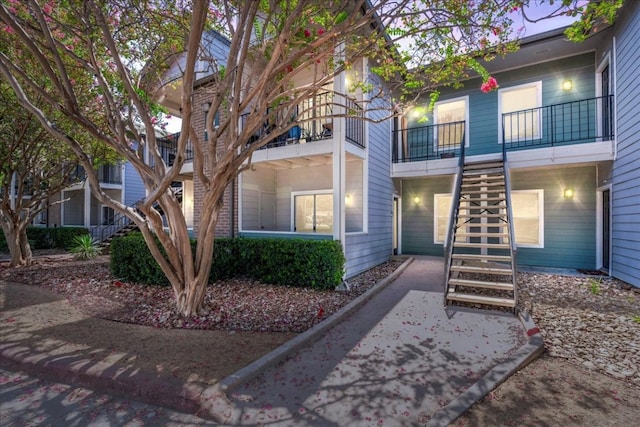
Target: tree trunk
18,244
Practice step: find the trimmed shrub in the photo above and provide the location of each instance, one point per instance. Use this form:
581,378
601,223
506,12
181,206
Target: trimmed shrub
315,264
47,238
132,261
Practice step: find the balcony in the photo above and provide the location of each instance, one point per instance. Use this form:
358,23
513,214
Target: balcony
587,120
428,142
107,174
167,146
558,125
314,122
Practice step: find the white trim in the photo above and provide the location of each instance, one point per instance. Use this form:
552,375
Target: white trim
599,225
293,210
465,99
538,86
540,244
606,62
436,196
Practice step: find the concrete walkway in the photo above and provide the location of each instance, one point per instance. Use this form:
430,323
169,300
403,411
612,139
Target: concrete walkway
393,357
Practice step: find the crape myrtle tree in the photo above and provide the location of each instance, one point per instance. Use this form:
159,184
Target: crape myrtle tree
34,166
103,61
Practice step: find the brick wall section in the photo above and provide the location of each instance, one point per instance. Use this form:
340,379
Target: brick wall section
230,198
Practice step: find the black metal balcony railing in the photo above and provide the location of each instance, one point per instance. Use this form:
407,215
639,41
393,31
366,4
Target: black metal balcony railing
586,120
428,142
575,122
313,121
167,146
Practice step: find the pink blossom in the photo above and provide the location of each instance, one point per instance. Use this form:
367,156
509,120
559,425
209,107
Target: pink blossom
320,31
489,85
307,33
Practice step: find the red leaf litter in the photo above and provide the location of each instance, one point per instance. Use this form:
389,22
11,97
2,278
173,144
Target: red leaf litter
234,305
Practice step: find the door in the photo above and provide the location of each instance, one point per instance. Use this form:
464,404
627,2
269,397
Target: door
606,228
396,224
267,211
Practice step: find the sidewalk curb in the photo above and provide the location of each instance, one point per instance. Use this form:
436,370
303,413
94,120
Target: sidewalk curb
310,335
496,376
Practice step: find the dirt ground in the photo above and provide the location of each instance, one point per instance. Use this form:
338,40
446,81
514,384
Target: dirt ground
554,392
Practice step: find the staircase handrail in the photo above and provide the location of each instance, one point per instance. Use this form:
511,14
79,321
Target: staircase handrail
453,218
512,239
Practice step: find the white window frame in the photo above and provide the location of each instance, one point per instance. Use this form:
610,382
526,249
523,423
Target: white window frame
538,87
293,209
436,215
540,243
464,99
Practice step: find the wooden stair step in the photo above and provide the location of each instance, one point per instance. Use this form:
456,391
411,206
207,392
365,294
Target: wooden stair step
480,299
490,178
484,199
500,286
474,234
483,165
483,184
476,257
481,245
479,192
481,270
482,215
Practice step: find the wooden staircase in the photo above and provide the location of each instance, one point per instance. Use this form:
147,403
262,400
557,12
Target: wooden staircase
480,265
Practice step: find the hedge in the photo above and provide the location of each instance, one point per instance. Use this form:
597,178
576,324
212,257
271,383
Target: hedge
317,264
47,238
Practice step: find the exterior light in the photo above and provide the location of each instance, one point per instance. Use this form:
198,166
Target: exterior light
568,193
416,200
347,199
206,106
567,85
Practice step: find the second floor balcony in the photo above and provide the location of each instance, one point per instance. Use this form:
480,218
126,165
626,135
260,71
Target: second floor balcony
313,121
577,122
107,174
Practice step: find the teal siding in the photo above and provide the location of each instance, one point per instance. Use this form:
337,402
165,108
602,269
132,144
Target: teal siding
417,218
483,107
569,225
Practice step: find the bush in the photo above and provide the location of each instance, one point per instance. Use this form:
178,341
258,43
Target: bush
85,247
317,264
131,260
47,238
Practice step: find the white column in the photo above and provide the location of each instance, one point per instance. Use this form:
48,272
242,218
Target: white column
87,204
339,160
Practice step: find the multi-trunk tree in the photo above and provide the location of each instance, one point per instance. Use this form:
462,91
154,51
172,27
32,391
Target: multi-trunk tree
103,61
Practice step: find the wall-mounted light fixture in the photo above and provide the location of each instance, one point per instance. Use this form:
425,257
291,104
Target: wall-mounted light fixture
568,193
416,200
567,85
347,199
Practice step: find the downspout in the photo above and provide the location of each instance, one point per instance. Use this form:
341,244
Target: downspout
615,101
232,210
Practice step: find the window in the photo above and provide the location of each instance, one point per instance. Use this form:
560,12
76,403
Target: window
527,207
523,102
442,210
313,212
450,117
